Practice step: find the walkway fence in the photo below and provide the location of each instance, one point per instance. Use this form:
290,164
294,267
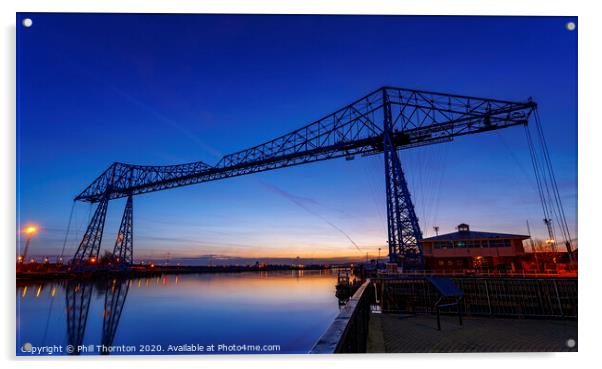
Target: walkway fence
512,297
486,273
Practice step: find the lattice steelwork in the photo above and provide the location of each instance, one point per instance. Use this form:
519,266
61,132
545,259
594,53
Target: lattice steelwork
403,229
77,304
384,121
89,247
124,244
114,300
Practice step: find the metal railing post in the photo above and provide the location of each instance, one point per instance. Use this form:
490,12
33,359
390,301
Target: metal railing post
555,282
488,299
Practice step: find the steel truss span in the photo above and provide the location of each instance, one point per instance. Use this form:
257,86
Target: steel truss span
384,121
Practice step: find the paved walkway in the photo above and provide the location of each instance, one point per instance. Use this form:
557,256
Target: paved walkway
402,333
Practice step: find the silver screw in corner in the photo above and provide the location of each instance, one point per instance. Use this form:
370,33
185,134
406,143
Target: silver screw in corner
571,26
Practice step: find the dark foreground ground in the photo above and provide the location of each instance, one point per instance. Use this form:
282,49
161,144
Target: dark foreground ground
395,333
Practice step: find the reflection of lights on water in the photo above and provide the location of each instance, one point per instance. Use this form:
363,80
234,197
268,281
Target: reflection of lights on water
53,291
177,279
38,291
24,291
139,283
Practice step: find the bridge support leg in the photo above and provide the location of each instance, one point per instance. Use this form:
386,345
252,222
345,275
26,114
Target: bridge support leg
77,304
89,247
402,224
124,245
115,296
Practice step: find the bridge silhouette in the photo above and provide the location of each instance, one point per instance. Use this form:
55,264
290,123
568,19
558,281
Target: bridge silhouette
385,121
78,295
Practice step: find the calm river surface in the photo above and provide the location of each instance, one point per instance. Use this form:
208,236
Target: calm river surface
262,312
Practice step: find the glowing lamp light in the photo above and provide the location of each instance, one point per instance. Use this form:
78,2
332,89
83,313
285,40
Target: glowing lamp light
92,260
30,230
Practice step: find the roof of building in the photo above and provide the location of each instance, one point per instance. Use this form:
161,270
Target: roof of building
468,235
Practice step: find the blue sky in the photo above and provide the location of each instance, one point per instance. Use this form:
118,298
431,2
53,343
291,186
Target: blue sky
167,89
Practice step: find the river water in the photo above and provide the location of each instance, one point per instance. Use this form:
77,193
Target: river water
230,313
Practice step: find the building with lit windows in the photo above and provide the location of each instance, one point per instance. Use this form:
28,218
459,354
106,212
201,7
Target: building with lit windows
466,249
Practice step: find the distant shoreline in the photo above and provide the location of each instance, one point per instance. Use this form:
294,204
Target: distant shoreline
146,271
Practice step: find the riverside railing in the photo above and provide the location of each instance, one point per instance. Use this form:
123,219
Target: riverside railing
348,333
484,273
517,297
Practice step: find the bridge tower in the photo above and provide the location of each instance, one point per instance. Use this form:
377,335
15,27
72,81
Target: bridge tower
403,229
89,247
124,244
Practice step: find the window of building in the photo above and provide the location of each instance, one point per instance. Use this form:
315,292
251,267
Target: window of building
499,243
460,244
443,245
473,244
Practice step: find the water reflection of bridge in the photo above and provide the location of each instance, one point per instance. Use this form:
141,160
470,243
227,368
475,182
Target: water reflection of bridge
77,301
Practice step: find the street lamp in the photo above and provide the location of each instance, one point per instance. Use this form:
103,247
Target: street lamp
30,231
